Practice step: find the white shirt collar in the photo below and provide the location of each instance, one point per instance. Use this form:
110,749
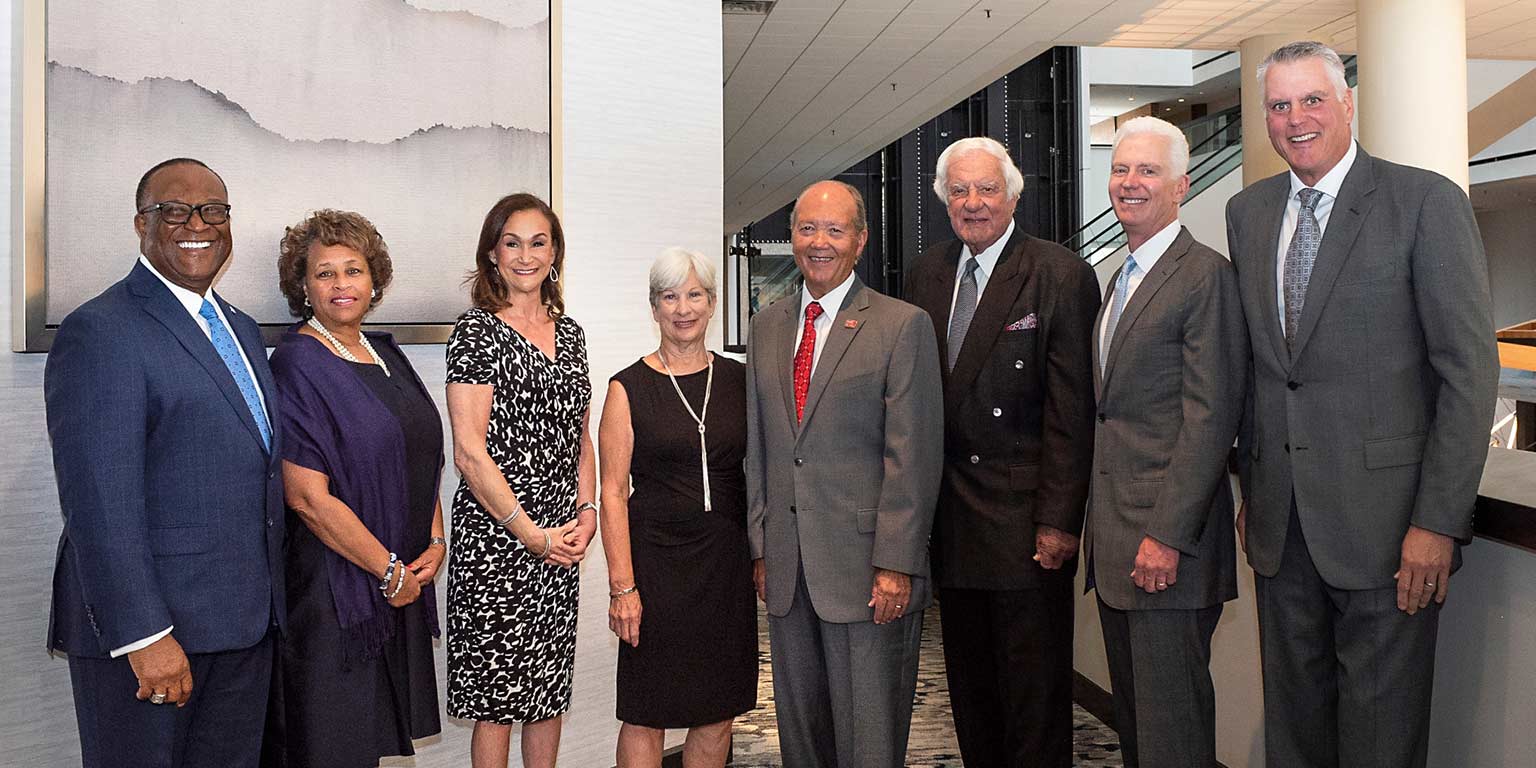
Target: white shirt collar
192,301
987,259
1153,249
1331,181
830,302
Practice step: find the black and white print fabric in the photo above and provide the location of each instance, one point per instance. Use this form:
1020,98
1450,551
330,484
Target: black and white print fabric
511,617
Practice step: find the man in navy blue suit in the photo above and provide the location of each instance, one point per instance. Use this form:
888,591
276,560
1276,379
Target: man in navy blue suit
168,586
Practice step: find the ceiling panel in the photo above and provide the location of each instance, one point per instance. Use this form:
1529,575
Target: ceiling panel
808,90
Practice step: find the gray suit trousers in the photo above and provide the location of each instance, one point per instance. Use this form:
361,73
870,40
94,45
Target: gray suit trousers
1347,676
1160,672
842,692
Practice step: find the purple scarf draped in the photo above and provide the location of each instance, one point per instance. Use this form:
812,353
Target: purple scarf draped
320,399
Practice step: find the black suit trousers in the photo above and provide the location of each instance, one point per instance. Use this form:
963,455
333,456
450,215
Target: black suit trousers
1008,656
1347,676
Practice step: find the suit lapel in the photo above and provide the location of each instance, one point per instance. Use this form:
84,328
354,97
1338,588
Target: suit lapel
1349,211
1265,240
845,325
1167,264
942,292
784,353
163,306
1008,277
254,350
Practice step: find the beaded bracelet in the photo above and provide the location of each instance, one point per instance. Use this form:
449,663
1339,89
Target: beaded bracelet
389,572
399,584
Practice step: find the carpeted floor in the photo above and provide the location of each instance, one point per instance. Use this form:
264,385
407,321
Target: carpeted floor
932,744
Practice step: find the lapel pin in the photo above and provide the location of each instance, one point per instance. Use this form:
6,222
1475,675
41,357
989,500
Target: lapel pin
850,323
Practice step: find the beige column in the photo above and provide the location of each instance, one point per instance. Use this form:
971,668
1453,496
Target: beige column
1412,97
1259,158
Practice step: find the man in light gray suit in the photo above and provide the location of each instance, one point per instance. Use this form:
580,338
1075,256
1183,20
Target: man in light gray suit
1171,361
844,448
1374,378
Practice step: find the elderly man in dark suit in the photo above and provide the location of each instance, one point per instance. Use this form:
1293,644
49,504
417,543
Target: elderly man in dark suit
168,584
1014,318
1171,355
1374,379
844,430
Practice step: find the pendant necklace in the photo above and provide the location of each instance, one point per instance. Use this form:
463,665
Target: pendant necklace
709,384
341,349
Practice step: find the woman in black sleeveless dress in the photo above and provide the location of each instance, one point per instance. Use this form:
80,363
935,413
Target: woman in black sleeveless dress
673,438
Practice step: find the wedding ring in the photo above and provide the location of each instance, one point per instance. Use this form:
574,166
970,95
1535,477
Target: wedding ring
157,698
1429,584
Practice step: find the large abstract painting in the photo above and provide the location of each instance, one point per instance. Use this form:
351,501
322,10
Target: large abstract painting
418,114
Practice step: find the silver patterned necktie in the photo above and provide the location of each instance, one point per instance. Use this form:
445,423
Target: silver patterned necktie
965,309
1116,306
1299,257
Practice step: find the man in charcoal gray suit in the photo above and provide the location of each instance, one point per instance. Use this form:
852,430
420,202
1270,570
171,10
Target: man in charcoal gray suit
1171,361
844,444
1373,384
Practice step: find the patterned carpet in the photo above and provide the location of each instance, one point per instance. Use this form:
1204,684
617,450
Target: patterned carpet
932,744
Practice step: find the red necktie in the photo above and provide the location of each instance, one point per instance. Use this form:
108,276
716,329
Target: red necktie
803,357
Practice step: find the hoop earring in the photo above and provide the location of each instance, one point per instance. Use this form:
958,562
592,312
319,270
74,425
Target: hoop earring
306,299
554,277
375,294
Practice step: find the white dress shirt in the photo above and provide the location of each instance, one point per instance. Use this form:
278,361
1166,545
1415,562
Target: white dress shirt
1146,258
986,261
1328,185
830,303
193,303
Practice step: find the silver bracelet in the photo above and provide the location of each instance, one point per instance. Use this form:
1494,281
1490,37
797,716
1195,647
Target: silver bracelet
548,544
517,509
438,540
629,590
586,506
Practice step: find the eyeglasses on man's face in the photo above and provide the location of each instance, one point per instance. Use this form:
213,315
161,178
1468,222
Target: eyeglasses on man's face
177,212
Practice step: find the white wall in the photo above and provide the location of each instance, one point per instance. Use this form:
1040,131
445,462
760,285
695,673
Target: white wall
1143,66
641,170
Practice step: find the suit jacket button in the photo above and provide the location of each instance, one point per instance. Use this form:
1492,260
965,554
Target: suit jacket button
799,461
1287,447
270,523
997,411
1018,365
975,459
792,509
1293,385
1102,418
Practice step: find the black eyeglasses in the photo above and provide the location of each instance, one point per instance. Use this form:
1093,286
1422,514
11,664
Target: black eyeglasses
174,212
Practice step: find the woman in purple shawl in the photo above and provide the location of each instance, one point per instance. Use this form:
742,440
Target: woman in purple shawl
365,530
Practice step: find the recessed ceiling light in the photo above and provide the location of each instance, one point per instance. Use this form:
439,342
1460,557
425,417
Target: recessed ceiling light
1181,100
1130,98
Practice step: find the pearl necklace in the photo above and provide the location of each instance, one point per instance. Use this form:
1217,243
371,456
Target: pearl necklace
341,349
709,384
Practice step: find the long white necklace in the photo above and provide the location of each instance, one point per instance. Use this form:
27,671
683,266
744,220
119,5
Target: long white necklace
342,350
709,384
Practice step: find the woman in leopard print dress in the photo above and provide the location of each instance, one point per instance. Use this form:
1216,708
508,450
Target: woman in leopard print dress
518,395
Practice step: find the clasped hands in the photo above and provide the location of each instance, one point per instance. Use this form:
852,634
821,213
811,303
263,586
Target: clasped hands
567,543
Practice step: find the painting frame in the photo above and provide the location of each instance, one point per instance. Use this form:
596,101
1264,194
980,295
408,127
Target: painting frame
31,330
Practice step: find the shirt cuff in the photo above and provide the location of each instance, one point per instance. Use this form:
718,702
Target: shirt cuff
142,644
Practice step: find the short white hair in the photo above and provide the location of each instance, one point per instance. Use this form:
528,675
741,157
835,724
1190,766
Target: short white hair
671,268
1306,49
1011,175
1178,145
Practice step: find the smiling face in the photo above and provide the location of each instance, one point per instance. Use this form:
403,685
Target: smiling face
828,237
1307,118
338,284
524,252
1142,189
979,206
189,254
682,312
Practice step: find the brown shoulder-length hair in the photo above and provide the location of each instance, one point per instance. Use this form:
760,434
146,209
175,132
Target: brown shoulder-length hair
487,289
328,226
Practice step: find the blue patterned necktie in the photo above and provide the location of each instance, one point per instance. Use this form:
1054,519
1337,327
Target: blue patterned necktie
229,352
1299,257
1116,306
965,309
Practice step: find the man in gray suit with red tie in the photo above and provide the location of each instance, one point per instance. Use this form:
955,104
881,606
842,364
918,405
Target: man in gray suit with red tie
1373,386
168,589
844,436
1171,358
